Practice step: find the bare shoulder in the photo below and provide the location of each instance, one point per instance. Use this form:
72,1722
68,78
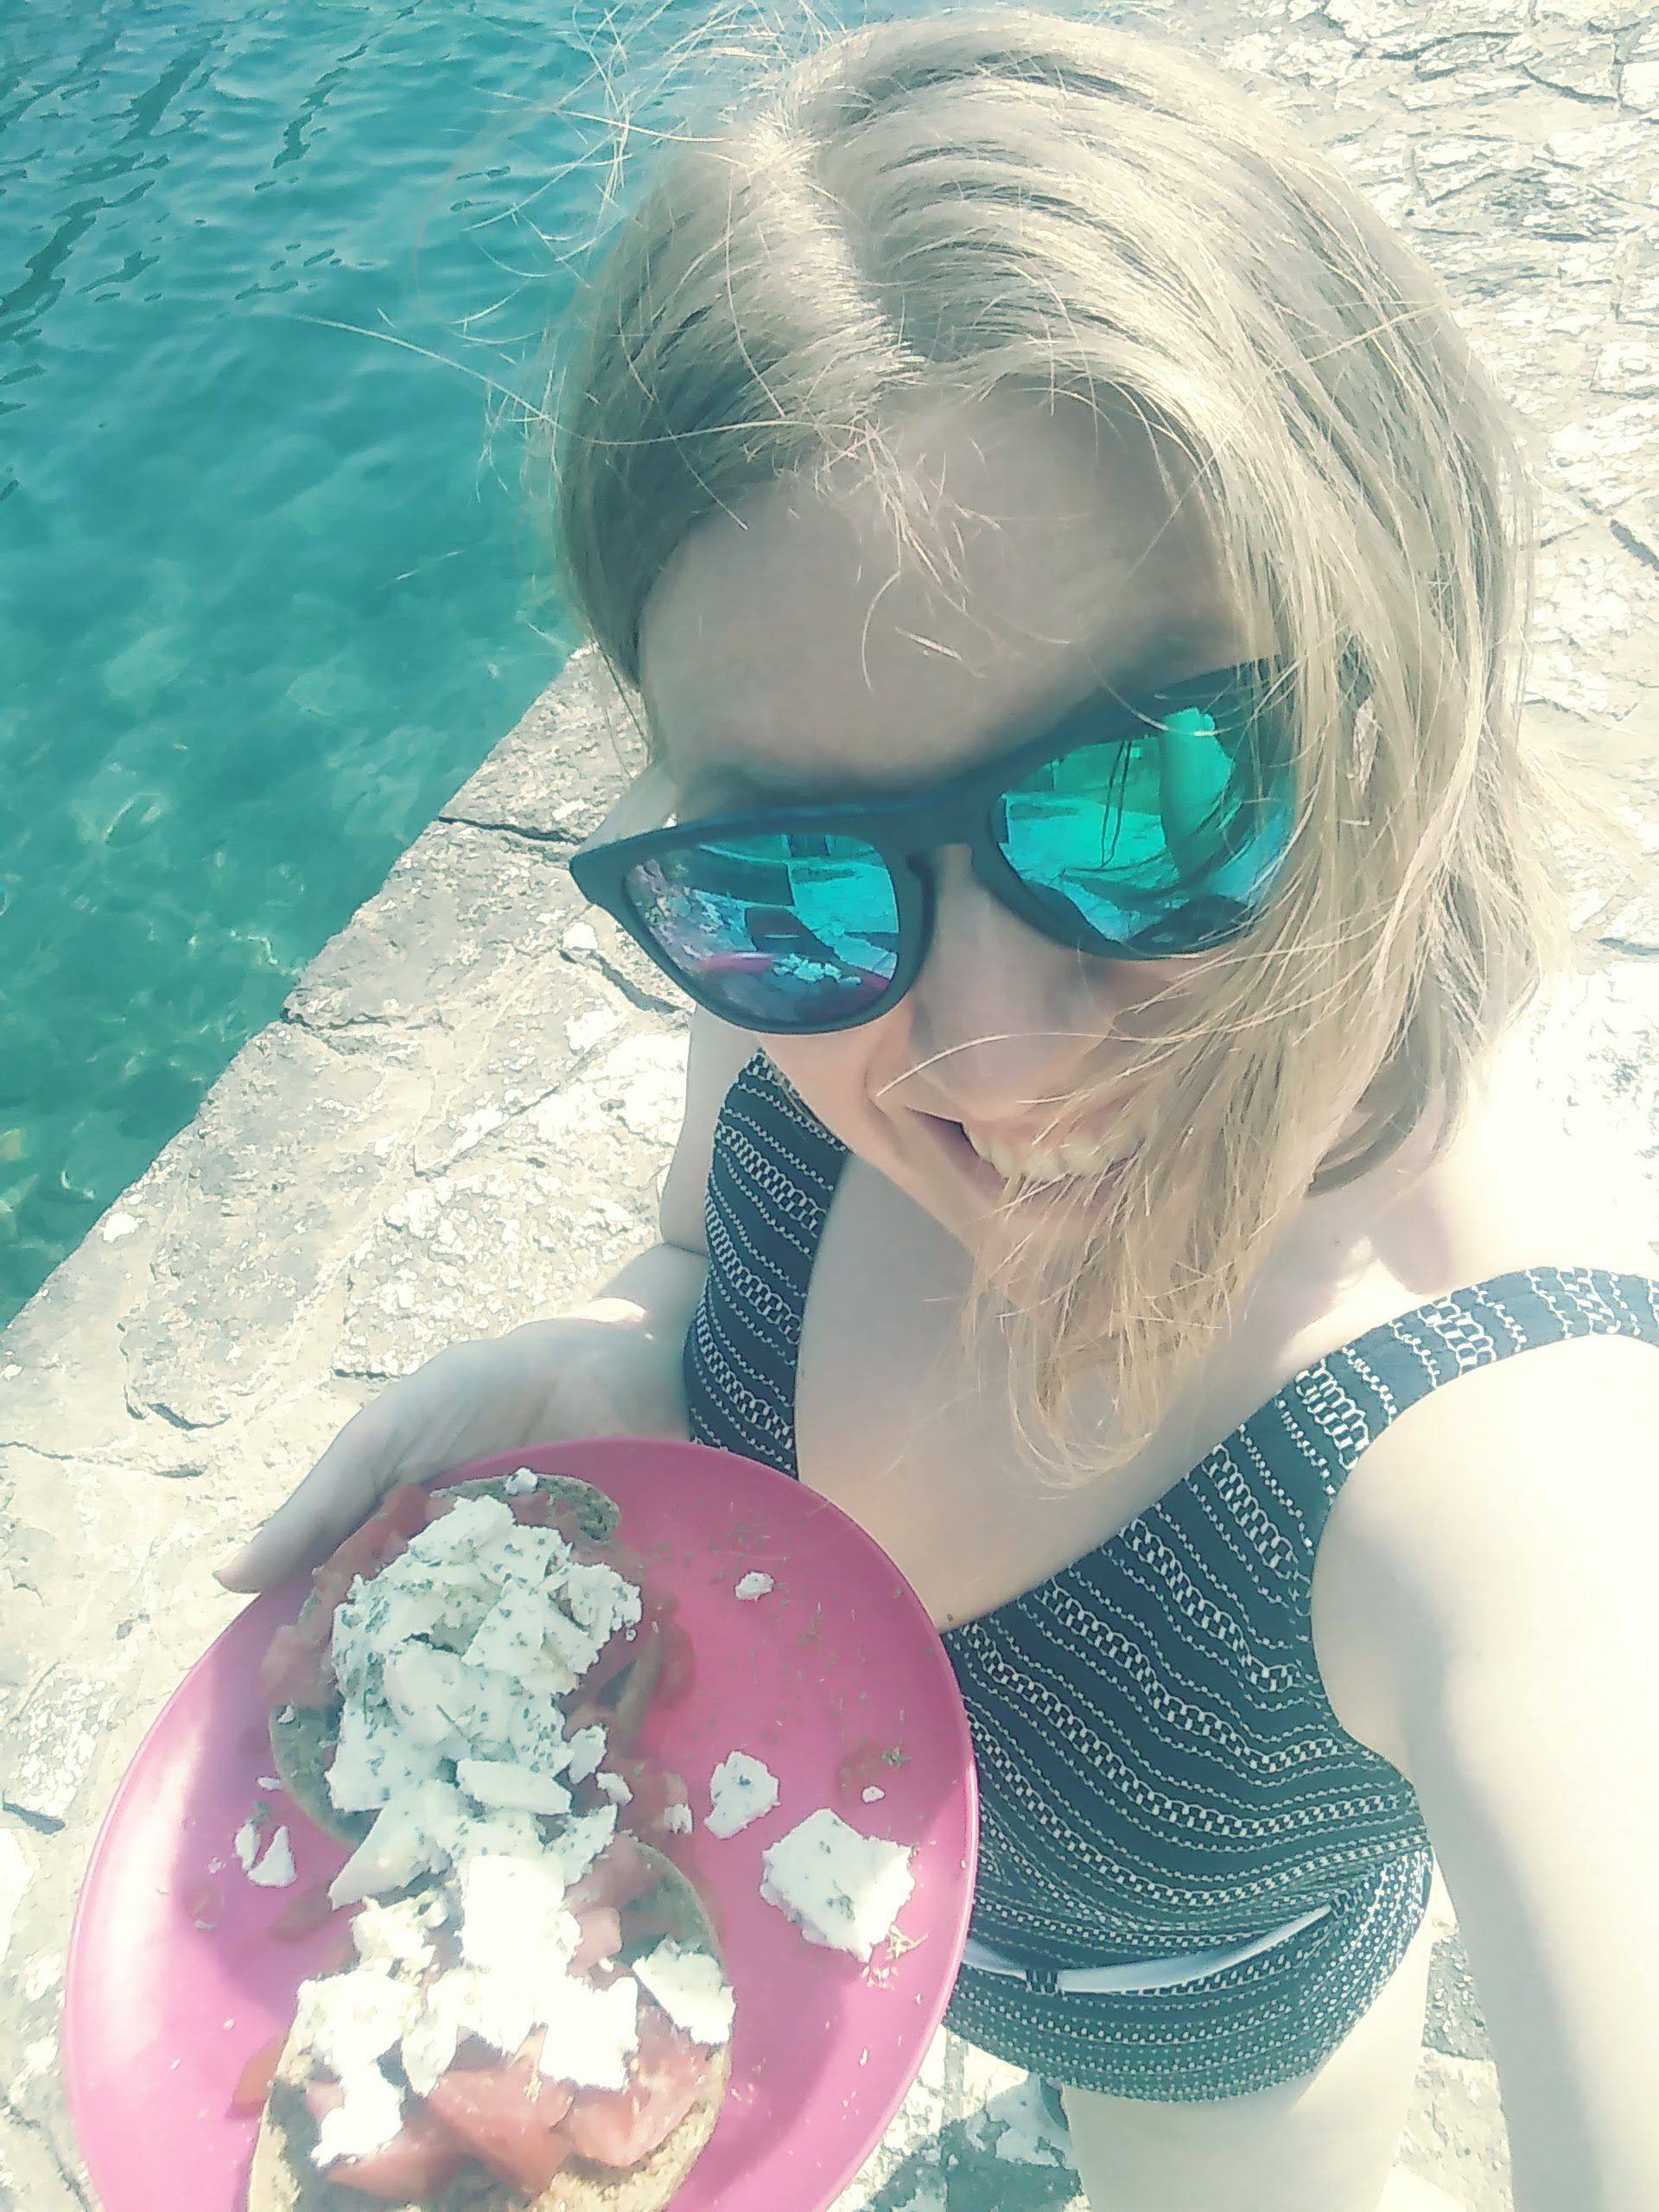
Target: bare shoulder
1496,1491
1510,1492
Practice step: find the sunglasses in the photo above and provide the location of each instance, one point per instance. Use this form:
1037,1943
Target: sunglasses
1136,830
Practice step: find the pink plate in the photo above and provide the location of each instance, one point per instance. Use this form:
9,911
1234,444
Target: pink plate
836,1679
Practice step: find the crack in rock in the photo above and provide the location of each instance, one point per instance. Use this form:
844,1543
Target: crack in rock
172,1416
563,837
42,2134
646,1001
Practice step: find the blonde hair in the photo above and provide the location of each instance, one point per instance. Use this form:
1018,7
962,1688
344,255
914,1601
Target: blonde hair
1002,197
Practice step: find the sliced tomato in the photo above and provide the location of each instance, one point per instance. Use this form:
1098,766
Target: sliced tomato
420,2160
617,1652
304,1910
655,1788
602,1937
253,2082
508,2116
536,1508
298,1665
620,1873
618,2127
402,1513
358,1555
297,1670
679,1665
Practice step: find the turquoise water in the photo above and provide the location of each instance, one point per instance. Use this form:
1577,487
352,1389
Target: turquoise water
269,589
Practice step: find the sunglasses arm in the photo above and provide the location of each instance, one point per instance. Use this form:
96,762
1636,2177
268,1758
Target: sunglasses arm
647,804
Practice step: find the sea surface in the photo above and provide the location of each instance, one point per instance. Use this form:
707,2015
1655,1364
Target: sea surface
271,580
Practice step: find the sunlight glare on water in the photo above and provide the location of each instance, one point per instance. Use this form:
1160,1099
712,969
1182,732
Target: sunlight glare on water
269,589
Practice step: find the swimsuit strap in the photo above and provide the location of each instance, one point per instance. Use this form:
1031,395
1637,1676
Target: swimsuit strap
770,1180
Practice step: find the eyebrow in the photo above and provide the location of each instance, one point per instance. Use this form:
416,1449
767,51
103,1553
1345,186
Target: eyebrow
726,786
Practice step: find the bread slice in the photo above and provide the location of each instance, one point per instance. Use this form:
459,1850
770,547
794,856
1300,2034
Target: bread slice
283,2179
303,1739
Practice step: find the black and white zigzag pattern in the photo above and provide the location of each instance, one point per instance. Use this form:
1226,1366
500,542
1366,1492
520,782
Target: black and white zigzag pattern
1160,1768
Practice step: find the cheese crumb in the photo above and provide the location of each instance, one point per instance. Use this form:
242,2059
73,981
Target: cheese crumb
740,1789
587,1749
677,1818
754,1585
276,1869
615,1787
521,1479
871,1796
844,1890
690,1988
499,1782
591,2033
270,1781
246,1843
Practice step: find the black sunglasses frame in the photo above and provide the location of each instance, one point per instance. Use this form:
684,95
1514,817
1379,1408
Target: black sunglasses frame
902,828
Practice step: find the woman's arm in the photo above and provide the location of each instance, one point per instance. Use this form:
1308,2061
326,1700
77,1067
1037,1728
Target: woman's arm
612,1368
1487,1619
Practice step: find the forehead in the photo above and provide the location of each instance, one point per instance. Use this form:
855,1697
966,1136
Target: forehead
801,640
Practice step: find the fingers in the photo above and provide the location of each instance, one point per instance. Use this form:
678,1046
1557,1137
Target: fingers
338,1495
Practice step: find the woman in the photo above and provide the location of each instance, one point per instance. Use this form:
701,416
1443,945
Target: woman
1070,568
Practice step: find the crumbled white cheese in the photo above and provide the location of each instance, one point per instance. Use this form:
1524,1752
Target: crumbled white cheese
349,2015
514,1637
844,1890
245,1842
505,1829
375,1760
754,1585
512,1908
587,1749
527,1556
740,1789
276,1869
429,2046
387,1934
411,1836
688,1986
598,1599
581,1839
270,1781
368,2118
429,1692
461,1532
348,2022
467,2000
521,1479
615,1787
498,1782
677,1818
591,2033
872,1796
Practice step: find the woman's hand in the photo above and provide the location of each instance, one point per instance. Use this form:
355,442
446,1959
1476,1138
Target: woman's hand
611,1370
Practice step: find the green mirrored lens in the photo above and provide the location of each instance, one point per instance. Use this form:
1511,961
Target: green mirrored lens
1161,841
781,927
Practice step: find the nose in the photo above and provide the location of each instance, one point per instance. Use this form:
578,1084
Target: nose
1004,1021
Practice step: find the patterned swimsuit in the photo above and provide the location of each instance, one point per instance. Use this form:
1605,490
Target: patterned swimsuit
1160,1768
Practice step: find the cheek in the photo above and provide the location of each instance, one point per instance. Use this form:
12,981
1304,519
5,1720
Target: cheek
840,1077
